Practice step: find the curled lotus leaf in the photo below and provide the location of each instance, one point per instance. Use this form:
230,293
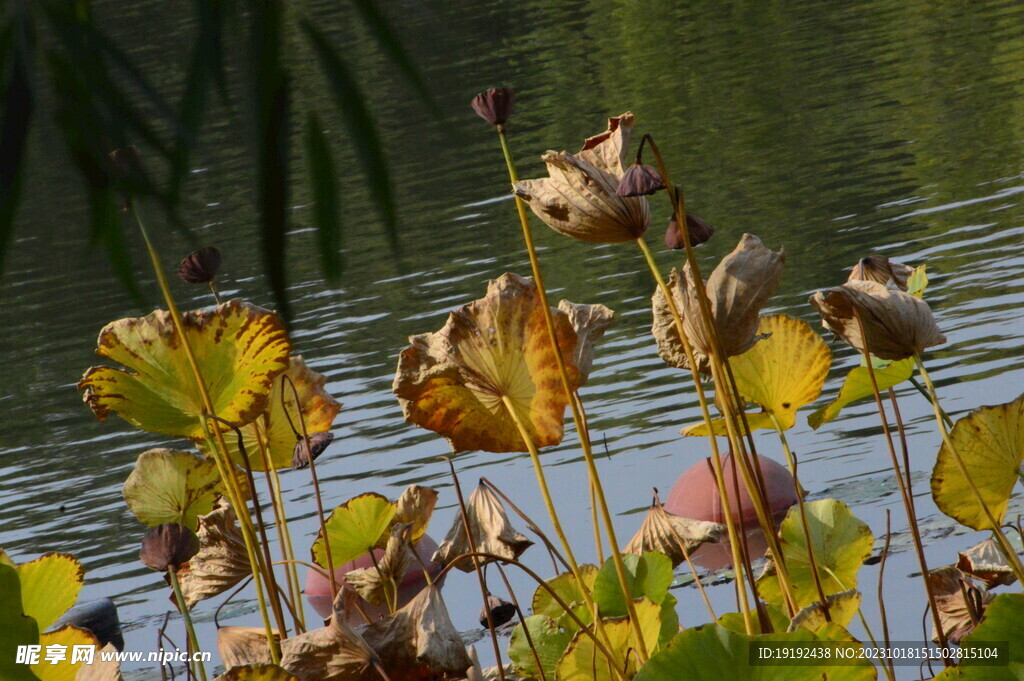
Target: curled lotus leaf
991,442
19,629
781,373
318,408
415,507
491,532
672,535
985,561
171,486
567,588
579,199
897,325
258,672
857,386
880,269
354,528
737,290
590,322
379,584
332,653
457,381
50,585
222,561
960,601
239,348
840,541
240,646
64,670
842,607
419,640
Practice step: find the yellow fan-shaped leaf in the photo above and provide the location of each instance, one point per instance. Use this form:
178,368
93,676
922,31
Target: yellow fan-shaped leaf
318,410
49,586
858,386
991,443
782,372
455,382
240,350
354,528
840,542
170,486
583,661
60,646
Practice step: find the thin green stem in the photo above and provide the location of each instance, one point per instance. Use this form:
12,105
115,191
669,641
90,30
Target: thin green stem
187,616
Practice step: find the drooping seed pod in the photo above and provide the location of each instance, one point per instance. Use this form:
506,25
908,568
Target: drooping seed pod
494,105
168,546
700,232
318,442
200,267
639,180
501,611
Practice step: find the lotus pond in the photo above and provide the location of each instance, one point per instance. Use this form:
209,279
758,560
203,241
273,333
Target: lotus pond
832,150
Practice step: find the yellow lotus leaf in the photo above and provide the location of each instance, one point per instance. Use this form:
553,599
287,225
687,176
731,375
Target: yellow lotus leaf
354,528
49,586
18,629
583,661
857,386
991,442
781,373
842,607
455,382
66,638
318,409
840,541
240,350
171,486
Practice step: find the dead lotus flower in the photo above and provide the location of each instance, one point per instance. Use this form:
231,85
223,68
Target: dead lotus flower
960,600
168,546
492,532
670,534
737,289
492,352
700,232
880,269
200,267
579,199
494,105
897,325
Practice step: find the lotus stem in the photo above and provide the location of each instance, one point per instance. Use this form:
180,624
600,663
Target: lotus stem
185,615
578,418
390,589
215,292
907,502
593,492
1011,556
791,459
477,568
223,461
890,670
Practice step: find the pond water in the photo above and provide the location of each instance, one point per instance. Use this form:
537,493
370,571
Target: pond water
834,130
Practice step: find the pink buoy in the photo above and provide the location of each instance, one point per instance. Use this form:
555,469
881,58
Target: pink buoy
318,590
695,494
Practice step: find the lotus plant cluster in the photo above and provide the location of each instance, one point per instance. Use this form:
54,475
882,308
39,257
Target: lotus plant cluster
500,376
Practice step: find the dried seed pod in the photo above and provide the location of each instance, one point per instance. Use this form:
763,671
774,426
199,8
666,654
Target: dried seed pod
168,546
880,269
639,180
318,442
494,105
501,611
700,232
200,267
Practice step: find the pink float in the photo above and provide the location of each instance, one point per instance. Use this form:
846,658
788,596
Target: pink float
318,590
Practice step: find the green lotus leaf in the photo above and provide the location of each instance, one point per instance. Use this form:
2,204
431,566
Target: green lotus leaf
567,589
18,629
917,282
170,486
1002,622
857,386
64,670
714,653
648,575
857,669
840,541
549,641
354,528
257,672
583,661
842,606
49,586
240,350
318,410
781,373
991,442
733,621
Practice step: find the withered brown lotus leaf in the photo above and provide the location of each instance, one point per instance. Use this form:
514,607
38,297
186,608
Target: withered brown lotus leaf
671,534
222,561
331,653
378,585
578,198
590,322
303,454
168,546
897,324
494,105
415,507
880,269
454,381
700,232
103,668
243,645
960,600
986,562
419,641
200,267
492,532
639,180
737,290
